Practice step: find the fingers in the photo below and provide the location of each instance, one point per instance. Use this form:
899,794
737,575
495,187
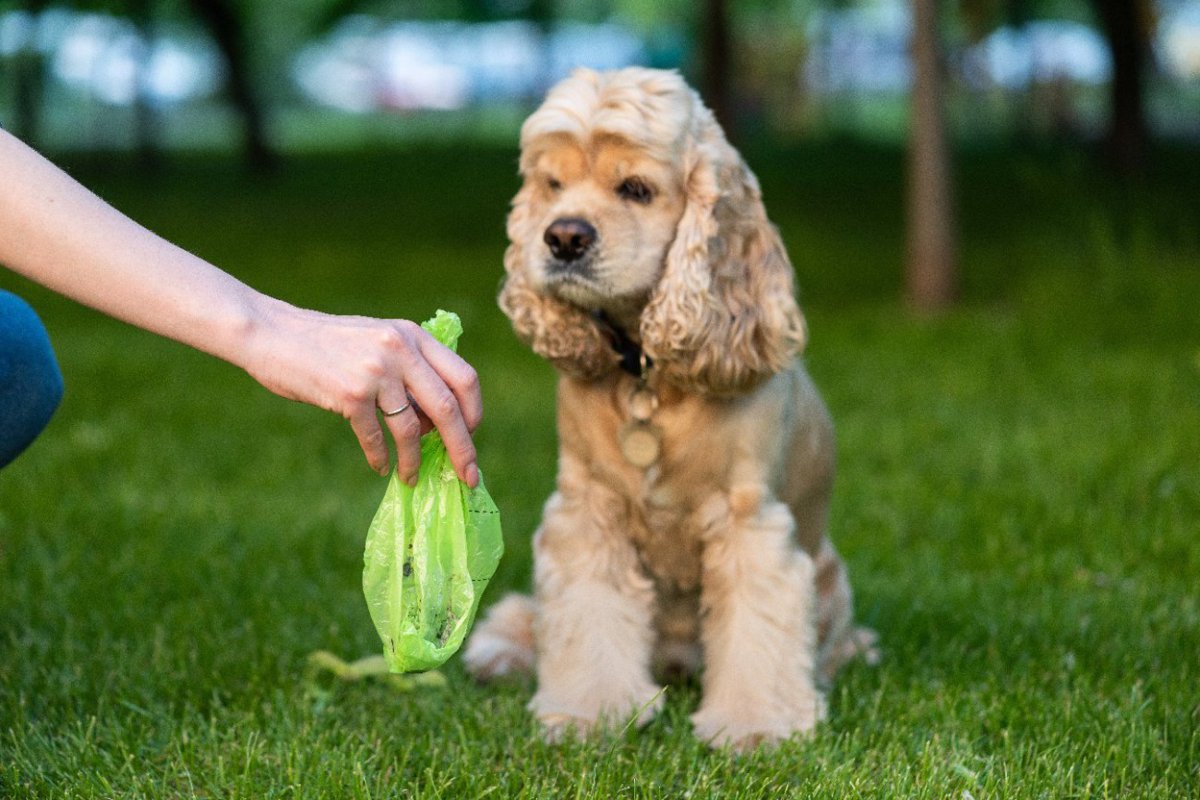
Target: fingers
352,364
405,428
370,438
459,377
444,393
440,402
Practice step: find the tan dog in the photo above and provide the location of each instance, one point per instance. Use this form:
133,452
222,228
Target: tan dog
696,458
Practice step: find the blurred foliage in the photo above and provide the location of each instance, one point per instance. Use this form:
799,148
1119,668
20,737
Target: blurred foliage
773,36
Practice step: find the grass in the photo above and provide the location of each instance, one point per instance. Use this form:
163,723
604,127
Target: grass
1018,502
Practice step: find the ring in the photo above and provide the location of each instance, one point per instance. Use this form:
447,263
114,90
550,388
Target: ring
396,411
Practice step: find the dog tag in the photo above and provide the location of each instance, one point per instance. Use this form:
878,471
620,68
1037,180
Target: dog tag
642,404
640,444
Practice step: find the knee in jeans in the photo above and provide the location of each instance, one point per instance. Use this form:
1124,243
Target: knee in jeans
31,384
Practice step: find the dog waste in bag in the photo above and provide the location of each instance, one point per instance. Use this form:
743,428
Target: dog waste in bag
430,552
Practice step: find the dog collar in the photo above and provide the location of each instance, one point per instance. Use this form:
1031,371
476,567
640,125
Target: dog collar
633,359
640,439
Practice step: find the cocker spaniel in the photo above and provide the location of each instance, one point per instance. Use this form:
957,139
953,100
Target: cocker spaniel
696,457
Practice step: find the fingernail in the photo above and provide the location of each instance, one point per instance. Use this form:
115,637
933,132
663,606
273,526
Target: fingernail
411,480
472,472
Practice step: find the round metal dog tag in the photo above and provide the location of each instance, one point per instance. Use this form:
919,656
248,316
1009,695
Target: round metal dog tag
640,444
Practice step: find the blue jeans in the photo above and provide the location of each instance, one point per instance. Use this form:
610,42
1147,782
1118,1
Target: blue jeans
31,385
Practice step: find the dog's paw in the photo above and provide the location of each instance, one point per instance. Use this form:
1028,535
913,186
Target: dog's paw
561,721
489,658
559,728
502,644
743,730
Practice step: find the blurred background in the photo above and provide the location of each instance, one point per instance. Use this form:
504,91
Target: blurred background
270,78
265,81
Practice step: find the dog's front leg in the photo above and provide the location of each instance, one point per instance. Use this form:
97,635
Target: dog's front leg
758,631
594,624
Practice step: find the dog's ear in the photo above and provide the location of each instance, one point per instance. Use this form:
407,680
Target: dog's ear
723,317
559,332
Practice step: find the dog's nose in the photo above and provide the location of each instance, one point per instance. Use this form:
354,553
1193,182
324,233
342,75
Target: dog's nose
569,238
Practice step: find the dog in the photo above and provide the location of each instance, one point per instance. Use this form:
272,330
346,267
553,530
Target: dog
687,532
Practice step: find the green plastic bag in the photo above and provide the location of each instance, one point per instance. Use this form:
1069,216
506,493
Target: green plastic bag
430,552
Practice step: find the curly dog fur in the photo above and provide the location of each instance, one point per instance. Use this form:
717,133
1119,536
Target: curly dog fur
637,220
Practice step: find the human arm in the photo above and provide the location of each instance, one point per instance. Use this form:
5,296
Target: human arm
57,233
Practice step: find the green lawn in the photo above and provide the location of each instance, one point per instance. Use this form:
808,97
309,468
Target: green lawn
1018,502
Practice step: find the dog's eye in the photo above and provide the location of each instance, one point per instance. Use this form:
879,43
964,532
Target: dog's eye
553,185
636,190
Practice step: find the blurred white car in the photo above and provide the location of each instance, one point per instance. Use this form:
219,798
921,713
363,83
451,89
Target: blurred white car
108,58
1178,41
1040,52
365,64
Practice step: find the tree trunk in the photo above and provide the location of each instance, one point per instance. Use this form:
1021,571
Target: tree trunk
228,30
1126,32
145,115
716,50
29,82
931,269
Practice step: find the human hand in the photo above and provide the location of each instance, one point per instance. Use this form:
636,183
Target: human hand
355,365
62,236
